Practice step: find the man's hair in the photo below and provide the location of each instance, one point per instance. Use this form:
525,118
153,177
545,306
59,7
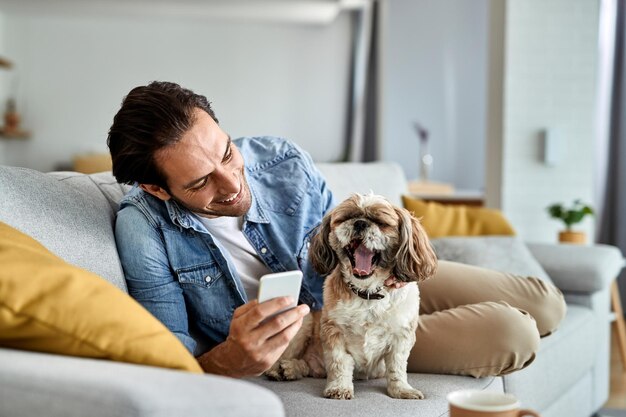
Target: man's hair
151,118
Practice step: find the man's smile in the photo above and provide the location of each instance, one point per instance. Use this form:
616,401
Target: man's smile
234,199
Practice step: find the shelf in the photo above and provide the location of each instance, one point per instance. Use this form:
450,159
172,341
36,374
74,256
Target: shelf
16,134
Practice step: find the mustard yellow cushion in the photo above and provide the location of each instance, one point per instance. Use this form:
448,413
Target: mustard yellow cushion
48,305
457,220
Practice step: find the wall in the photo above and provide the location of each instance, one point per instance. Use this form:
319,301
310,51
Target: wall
549,81
435,72
263,78
4,84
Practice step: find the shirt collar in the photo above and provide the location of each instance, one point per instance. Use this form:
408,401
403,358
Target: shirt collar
255,214
182,217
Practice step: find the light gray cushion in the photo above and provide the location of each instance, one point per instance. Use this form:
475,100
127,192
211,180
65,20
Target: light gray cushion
37,384
104,181
384,178
67,213
563,357
304,398
501,253
579,268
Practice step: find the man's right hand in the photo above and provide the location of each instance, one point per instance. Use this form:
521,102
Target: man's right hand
254,344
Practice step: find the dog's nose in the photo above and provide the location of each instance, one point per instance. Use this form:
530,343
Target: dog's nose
360,225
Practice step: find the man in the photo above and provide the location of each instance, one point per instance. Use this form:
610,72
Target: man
209,215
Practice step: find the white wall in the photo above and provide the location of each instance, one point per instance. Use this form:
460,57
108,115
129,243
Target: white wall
550,62
263,78
435,72
4,83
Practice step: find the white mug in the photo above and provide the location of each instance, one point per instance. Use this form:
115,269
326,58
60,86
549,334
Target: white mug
471,403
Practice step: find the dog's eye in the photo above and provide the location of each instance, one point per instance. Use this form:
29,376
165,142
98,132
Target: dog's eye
336,221
378,222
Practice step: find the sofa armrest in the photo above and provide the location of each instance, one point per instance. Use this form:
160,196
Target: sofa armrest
578,268
37,384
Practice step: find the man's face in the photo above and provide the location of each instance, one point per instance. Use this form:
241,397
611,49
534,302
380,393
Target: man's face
204,171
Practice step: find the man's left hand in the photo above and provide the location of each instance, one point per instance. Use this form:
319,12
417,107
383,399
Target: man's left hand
394,283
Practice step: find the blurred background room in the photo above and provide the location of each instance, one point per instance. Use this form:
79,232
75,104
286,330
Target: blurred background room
507,104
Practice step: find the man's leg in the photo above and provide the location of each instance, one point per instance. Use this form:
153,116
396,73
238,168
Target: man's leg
479,340
479,322
457,284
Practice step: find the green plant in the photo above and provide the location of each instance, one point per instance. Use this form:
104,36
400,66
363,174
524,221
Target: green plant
570,215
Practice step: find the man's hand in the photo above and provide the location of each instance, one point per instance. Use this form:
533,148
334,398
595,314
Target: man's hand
392,282
253,344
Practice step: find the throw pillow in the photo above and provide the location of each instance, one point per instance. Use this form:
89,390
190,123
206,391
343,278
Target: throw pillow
457,220
48,305
502,253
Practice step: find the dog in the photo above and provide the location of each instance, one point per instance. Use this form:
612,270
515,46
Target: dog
366,329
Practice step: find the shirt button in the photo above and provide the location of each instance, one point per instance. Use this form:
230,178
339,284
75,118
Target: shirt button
207,279
263,250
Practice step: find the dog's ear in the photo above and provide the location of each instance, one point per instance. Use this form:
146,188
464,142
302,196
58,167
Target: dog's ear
416,259
321,254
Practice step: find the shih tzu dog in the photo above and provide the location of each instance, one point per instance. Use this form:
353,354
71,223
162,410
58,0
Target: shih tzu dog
366,329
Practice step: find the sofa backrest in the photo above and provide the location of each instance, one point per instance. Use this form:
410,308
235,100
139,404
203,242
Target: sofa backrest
384,178
71,214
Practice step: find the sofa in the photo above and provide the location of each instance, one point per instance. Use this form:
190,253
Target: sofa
73,214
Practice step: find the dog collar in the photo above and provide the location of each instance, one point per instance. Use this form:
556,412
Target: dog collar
366,295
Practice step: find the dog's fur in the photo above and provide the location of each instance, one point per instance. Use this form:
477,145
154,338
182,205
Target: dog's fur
366,329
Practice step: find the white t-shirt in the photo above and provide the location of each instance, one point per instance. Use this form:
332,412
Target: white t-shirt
228,231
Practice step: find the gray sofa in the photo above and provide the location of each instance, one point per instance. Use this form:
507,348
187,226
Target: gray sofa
73,215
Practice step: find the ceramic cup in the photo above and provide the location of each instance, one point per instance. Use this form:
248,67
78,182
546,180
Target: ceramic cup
469,403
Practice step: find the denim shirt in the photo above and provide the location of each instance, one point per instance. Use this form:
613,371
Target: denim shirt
185,277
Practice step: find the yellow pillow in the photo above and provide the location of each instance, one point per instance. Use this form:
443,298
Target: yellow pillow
457,220
48,305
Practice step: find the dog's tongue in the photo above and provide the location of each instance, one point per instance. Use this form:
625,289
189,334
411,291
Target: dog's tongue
363,260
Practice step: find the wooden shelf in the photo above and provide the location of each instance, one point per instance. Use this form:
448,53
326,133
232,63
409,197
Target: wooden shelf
15,134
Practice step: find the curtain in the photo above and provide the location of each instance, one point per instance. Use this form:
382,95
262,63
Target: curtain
613,217
363,111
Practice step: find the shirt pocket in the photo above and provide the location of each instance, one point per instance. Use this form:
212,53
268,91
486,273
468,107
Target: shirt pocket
206,275
207,292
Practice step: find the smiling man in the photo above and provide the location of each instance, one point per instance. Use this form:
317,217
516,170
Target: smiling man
208,216
193,240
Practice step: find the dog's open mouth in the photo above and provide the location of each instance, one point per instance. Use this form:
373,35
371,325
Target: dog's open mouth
363,259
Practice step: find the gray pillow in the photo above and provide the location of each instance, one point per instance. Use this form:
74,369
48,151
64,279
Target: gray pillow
502,253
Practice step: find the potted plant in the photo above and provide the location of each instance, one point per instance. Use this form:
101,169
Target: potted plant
570,216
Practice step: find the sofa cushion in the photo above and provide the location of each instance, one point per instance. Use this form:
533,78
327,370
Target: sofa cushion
457,220
69,214
563,358
579,268
502,253
384,178
304,398
48,305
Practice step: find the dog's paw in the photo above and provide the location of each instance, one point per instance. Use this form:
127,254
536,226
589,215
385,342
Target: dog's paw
405,393
273,373
339,393
287,370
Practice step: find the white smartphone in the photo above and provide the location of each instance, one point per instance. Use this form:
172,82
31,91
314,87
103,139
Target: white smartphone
281,284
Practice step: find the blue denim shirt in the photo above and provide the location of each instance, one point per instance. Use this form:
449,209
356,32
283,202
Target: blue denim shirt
185,277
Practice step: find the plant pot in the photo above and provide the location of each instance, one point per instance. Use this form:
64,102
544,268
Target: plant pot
568,236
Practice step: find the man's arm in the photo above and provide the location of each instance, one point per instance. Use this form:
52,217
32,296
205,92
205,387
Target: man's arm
252,345
148,274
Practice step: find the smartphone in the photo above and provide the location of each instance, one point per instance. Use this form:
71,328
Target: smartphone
281,284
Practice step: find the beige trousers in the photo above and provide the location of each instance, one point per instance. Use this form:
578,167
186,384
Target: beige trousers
480,322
